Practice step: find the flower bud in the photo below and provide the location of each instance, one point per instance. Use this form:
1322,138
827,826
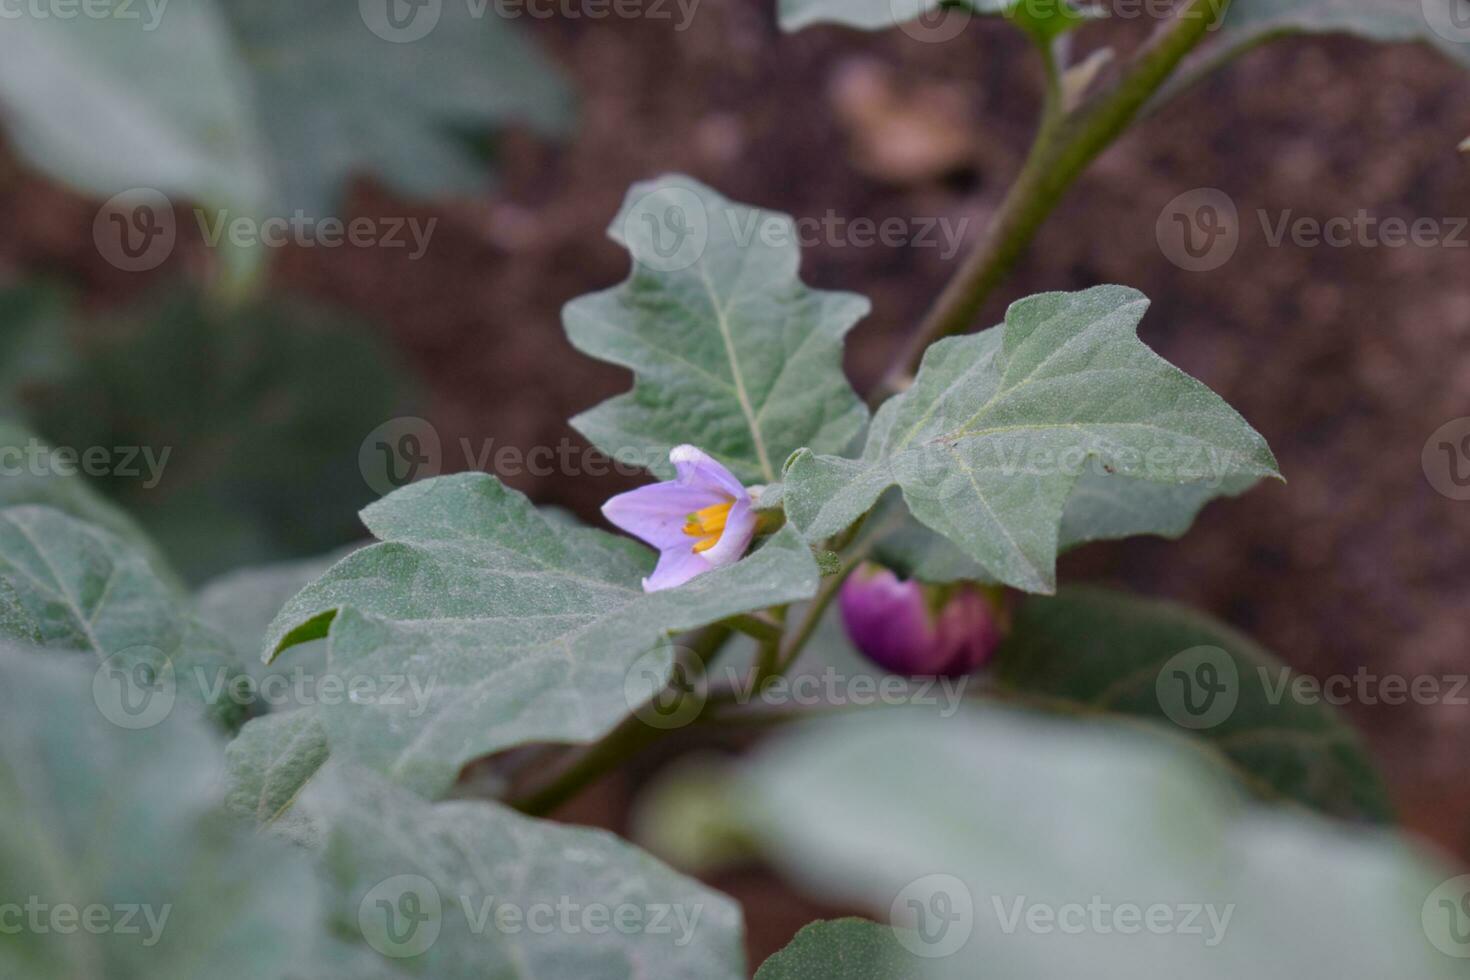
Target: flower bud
910,628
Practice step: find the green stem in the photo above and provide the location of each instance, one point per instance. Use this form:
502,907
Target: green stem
817,609
1066,143
756,627
768,657
632,736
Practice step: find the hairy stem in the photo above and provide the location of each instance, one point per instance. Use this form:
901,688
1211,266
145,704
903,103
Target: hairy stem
1066,143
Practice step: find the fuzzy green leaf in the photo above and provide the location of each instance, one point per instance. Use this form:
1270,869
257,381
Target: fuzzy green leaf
729,350
85,589
840,949
487,892
500,626
989,443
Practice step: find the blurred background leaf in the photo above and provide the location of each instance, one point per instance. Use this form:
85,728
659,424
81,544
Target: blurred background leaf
262,409
284,102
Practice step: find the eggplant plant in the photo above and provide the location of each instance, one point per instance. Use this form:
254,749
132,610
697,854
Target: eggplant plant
352,765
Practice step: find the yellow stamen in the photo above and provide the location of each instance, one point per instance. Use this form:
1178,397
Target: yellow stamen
707,525
710,520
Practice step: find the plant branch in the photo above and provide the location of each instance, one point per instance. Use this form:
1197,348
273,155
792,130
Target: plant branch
1066,143
632,736
814,612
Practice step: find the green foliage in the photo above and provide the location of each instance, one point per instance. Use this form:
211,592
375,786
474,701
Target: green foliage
283,103
1249,22
84,589
334,100
1092,650
92,815
51,482
872,15
475,860
516,628
248,451
730,351
839,949
989,443
1007,813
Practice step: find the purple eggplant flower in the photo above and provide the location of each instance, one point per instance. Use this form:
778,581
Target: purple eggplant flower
909,628
701,519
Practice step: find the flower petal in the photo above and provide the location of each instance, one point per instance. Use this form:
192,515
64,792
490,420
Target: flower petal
657,513
736,538
676,566
697,468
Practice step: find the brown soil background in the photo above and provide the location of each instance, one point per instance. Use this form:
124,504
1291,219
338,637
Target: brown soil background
1346,359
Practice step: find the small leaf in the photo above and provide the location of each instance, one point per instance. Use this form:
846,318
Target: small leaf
1100,651
730,351
499,626
87,590
242,605
990,441
1248,23
966,828
872,15
841,949
270,763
